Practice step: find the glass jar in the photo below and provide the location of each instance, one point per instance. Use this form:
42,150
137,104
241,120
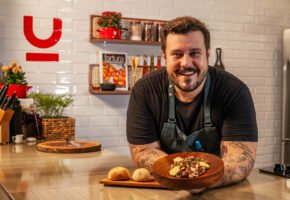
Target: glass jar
149,31
126,29
136,30
159,26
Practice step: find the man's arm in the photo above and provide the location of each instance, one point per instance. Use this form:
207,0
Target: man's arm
239,159
146,154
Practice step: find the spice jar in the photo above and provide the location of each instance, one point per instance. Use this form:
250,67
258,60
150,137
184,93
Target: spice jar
136,30
125,24
159,26
149,31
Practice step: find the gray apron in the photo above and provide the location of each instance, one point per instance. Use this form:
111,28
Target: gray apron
173,140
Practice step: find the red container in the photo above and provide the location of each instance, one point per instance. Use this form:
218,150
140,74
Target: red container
110,33
21,90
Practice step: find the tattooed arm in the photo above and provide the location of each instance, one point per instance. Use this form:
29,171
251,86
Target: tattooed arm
239,159
146,154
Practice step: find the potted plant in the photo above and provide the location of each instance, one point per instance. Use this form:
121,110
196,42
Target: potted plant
15,77
54,124
110,23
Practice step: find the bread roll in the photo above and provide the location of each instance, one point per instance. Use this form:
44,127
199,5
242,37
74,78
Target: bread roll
142,174
119,173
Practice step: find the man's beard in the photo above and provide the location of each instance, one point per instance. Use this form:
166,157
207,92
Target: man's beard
187,71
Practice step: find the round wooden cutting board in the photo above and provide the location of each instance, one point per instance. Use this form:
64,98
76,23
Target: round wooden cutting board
61,146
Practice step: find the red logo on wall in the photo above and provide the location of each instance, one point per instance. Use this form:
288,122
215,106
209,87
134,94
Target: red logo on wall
42,43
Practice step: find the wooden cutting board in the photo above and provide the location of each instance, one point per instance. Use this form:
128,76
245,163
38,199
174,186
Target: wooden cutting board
131,183
61,146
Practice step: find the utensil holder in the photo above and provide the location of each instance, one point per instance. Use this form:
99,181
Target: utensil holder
5,118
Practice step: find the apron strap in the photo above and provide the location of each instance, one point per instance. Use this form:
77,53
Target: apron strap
171,95
207,108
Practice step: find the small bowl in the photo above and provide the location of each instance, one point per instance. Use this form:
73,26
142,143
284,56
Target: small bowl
31,139
161,167
108,86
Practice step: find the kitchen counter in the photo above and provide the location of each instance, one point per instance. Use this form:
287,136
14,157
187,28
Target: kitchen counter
28,174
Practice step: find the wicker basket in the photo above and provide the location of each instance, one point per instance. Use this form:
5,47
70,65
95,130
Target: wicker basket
58,128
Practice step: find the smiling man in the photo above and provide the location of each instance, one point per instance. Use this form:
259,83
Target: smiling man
191,106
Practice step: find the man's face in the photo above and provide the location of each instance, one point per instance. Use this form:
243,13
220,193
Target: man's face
186,60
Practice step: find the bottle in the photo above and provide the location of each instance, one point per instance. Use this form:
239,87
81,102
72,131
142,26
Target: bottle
158,62
152,67
145,65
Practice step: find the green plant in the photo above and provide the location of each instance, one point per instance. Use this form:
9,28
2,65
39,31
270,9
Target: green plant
13,74
110,19
51,105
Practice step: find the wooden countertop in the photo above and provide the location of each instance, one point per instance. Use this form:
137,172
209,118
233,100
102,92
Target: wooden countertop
28,174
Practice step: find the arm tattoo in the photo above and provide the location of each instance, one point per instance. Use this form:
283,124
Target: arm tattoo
146,155
239,159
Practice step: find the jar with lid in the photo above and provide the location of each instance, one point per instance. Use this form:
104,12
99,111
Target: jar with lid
136,30
149,31
125,24
159,26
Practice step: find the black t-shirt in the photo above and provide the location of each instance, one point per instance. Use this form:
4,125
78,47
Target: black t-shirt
232,109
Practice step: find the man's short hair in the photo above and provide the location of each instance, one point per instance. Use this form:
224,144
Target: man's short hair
183,25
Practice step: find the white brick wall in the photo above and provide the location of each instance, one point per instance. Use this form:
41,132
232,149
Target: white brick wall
249,32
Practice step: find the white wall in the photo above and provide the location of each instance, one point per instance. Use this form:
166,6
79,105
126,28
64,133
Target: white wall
249,32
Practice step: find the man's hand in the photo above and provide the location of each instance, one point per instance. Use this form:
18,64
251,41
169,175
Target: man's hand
146,154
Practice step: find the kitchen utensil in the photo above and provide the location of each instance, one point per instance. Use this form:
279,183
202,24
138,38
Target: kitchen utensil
61,146
131,183
10,101
3,92
218,62
161,169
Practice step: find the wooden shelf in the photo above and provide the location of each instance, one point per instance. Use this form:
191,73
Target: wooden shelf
116,41
101,92
94,38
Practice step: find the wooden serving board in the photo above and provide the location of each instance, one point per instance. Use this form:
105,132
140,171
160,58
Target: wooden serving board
61,146
131,183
